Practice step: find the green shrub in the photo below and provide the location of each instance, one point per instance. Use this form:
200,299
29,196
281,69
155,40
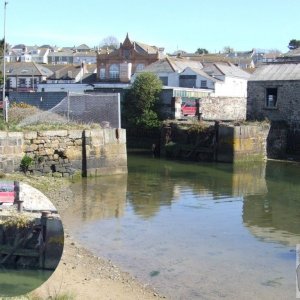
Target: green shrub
26,162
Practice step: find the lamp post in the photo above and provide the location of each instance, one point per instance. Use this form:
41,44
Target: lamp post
4,70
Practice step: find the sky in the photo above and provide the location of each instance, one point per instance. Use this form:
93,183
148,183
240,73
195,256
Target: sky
172,24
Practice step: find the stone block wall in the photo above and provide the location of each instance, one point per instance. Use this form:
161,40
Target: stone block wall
240,143
223,108
284,139
224,142
106,151
288,101
61,152
11,150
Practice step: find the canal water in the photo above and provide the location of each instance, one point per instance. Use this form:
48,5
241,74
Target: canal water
196,230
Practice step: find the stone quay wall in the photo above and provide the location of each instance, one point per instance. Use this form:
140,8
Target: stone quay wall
61,152
243,142
223,142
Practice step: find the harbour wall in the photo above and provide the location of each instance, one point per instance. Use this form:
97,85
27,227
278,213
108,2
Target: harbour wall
60,153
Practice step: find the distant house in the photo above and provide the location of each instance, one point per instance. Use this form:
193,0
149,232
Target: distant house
60,57
118,65
82,48
25,76
274,94
89,57
70,73
241,59
291,56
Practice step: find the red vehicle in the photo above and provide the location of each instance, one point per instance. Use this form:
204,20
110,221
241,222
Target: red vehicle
7,193
189,108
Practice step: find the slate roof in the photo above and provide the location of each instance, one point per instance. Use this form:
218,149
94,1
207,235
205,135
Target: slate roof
160,66
231,70
61,53
171,64
90,53
27,69
273,72
67,72
208,70
295,52
83,47
204,74
145,48
179,64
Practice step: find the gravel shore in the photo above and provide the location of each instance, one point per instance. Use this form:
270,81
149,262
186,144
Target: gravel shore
81,274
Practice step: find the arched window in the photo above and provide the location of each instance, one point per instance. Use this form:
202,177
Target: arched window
139,67
114,71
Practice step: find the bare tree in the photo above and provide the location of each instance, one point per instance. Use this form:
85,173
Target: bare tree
110,42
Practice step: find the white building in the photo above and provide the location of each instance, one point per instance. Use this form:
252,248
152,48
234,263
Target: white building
222,78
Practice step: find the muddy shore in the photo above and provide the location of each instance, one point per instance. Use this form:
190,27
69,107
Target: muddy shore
81,274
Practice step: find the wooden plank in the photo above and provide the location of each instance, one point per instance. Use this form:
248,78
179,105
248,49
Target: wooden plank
4,250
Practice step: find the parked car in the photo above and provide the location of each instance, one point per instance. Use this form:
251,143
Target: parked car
189,108
7,193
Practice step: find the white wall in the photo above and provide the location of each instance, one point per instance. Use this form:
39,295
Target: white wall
231,87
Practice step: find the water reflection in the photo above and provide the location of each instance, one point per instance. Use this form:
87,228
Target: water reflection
187,227
99,198
275,215
271,205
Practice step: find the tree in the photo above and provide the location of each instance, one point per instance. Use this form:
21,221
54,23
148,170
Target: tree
294,44
110,42
201,51
228,49
142,101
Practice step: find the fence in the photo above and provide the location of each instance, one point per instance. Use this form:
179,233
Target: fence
77,107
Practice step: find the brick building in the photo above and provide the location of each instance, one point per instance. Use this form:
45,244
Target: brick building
118,65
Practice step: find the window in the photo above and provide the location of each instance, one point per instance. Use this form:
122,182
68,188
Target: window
164,80
187,81
33,82
271,97
114,71
126,53
203,84
22,82
139,67
102,73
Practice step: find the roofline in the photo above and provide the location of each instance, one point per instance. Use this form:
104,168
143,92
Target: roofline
170,63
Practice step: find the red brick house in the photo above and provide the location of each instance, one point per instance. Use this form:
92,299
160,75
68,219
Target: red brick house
119,64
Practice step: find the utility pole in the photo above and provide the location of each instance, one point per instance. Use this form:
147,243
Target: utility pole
4,62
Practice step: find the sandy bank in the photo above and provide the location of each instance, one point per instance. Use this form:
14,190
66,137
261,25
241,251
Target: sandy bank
80,273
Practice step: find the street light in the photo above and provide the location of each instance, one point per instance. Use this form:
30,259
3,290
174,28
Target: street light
4,70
